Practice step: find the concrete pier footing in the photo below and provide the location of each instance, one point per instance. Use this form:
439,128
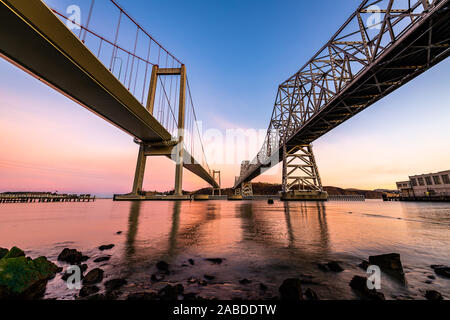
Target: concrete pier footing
235,197
304,196
201,197
288,196
133,197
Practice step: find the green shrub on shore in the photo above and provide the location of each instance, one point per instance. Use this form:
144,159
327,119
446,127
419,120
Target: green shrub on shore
14,253
3,252
22,277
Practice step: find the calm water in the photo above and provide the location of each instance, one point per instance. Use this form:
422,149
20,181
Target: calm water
260,242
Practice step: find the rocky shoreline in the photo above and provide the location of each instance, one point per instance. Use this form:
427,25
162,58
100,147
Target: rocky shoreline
22,278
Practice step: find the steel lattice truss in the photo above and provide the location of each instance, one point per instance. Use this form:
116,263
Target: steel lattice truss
301,170
358,46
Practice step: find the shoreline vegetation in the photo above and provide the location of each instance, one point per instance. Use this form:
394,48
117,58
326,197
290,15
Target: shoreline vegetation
268,189
23,278
265,189
273,189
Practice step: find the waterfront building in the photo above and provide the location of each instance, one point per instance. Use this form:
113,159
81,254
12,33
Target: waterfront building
426,185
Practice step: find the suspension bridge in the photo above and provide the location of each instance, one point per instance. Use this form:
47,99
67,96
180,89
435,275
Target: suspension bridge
114,68
108,63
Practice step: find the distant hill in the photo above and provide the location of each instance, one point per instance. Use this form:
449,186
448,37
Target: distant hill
368,194
272,189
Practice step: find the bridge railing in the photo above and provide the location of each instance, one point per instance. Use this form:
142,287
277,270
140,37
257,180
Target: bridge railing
369,32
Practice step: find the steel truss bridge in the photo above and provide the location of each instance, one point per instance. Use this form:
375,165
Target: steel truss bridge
382,46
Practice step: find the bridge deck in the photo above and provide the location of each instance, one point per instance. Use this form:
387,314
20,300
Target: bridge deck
35,40
406,59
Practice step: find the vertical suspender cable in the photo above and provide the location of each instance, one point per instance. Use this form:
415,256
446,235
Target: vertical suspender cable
88,20
134,54
115,41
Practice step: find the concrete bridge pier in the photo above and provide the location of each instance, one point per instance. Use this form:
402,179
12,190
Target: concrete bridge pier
172,149
181,124
217,177
140,171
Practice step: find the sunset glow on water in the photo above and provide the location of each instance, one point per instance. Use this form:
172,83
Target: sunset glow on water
262,243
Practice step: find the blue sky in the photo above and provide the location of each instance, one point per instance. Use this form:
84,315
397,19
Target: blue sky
237,53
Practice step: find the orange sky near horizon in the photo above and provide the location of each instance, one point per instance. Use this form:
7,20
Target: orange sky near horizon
50,143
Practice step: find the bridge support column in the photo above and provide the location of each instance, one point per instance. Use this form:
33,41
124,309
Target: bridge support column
216,173
171,149
142,158
140,171
181,112
301,179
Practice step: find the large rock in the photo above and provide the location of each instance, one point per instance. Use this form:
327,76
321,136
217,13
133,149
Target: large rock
310,294
433,295
71,256
359,284
291,290
245,281
94,276
102,259
333,266
106,247
24,278
364,265
171,293
162,266
215,260
443,271
88,291
389,263
157,278
115,284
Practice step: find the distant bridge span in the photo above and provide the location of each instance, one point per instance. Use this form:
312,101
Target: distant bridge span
381,47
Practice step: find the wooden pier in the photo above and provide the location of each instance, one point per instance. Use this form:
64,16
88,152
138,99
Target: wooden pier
44,197
441,198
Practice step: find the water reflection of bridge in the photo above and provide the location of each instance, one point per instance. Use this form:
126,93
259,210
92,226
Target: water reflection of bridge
190,233
303,231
